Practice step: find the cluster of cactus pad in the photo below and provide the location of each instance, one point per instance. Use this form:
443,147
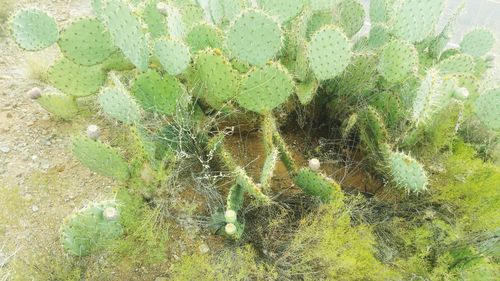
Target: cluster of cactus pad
145,59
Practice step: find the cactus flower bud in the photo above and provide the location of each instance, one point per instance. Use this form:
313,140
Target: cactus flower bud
314,164
230,229
110,214
230,216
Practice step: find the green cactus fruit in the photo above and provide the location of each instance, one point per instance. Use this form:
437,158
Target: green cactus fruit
156,22
460,63
372,131
118,104
34,29
204,36
284,10
268,169
175,22
316,184
265,88
215,81
158,94
379,36
329,53
75,79
173,55
477,42
89,229
398,60
249,186
380,10
306,90
126,32
487,108
61,105
100,158
414,20
406,172
225,11
235,198
254,37
86,42
352,16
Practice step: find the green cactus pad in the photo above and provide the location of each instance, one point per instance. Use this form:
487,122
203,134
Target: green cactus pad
173,55
118,104
460,63
175,22
380,10
316,184
254,37
249,186
305,91
478,42
406,172
126,32
235,198
398,60
265,88
225,11
34,29
379,36
317,21
268,169
117,62
284,10
360,77
373,132
321,5
61,105
157,93
86,42
352,16
157,24
414,20
487,108
329,53
100,158
76,80
204,36
88,230
215,82
428,96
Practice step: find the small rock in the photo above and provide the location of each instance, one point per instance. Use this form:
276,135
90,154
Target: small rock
45,166
314,164
93,132
5,149
204,248
34,93
34,208
34,157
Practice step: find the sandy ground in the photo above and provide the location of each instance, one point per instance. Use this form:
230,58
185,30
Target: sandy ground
40,182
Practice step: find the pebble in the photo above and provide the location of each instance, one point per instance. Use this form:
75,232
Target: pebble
5,149
34,208
34,157
204,248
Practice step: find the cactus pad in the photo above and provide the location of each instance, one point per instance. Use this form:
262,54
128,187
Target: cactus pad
61,105
329,53
224,11
118,104
316,184
100,158
352,16
216,82
398,60
284,10
379,36
406,172
204,36
460,63
88,230
126,32
487,108
254,37
380,10
34,30
305,91
76,80
414,20
156,22
235,198
265,88
268,169
86,42
173,55
319,5
478,42
156,93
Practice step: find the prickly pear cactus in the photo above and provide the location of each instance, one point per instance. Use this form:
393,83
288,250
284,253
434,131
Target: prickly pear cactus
487,108
405,172
91,228
34,29
100,158
315,184
477,42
